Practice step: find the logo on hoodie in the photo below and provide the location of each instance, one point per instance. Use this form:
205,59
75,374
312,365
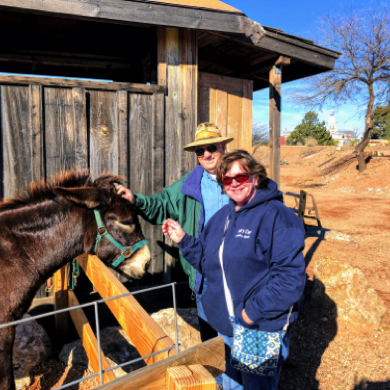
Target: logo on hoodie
244,233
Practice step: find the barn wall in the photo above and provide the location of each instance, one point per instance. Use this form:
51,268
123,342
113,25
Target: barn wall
227,101
178,70
46,128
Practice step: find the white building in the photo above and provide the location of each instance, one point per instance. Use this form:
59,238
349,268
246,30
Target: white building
342,137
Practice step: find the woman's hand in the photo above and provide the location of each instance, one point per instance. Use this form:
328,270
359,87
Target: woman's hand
245,317
125,192
173,229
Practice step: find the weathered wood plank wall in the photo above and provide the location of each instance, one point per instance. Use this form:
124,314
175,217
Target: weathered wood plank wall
147,162
178,70
45,129
17,145
227,101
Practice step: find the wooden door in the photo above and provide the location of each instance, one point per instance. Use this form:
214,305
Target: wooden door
227,101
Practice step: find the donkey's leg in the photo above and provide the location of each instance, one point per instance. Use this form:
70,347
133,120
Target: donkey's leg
7,336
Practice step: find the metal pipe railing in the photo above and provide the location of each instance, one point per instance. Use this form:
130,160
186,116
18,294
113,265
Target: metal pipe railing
95,304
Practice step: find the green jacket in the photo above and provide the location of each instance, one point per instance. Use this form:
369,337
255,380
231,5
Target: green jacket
182,201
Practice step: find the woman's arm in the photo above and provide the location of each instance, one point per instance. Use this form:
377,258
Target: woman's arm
190,247
287,277
173,230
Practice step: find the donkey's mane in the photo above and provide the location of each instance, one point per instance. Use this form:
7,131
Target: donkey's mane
40,192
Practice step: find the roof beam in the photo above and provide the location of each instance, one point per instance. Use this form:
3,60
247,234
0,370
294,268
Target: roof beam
150,13
285,45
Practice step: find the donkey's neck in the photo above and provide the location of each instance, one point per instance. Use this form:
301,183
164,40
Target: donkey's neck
49,234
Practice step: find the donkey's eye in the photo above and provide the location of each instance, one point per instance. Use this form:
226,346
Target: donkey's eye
130,228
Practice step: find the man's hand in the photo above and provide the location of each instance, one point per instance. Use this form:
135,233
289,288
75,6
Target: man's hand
245,317
125,192
173,229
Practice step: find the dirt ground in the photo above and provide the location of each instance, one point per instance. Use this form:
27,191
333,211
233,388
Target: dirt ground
353,204
357,205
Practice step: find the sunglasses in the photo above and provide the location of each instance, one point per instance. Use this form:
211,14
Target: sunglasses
211,149
240,179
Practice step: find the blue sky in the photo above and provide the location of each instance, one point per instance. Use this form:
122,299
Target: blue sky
298,18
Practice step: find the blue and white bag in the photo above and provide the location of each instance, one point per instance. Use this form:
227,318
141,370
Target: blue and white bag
253,351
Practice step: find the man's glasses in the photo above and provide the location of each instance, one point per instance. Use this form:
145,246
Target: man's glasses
240,178
211,149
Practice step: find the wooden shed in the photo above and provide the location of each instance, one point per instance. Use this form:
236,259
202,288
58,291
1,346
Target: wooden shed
125,84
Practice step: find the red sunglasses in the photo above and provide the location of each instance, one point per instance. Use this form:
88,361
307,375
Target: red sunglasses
240,178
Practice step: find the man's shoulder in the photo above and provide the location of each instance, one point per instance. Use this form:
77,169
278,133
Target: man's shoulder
180,182
187,180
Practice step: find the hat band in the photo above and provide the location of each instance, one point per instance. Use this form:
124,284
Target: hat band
206,135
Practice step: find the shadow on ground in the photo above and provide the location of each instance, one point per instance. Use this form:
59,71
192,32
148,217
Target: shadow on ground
311,335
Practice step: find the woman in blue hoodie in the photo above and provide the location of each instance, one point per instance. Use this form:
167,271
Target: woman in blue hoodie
262,259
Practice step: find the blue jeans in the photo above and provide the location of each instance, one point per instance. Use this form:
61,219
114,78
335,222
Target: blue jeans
207,332
237,380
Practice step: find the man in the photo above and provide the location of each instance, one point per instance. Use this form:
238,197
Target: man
191,201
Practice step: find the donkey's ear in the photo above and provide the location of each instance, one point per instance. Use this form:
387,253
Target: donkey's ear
89,197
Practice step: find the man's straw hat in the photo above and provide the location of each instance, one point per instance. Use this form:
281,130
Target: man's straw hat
207,133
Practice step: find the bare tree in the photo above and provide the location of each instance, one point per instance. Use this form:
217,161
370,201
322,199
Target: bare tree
363,71
260,134
356,133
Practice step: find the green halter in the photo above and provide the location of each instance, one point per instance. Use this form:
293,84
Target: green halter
126,251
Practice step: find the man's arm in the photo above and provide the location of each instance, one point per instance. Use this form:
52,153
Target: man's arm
155,208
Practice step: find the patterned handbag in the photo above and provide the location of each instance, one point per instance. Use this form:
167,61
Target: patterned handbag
253,351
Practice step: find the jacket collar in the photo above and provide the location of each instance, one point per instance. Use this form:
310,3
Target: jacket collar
191,185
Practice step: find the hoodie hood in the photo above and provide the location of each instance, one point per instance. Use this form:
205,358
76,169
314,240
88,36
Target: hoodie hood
271,192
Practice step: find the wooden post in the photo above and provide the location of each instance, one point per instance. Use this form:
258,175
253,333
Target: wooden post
61,299
275,83
88,339
194,377
275,100
210,354
145,333
302,205
178,69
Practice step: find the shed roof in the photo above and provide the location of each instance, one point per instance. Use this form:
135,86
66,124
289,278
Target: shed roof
229,43
213,4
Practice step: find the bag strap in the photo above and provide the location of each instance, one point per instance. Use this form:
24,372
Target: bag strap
228,296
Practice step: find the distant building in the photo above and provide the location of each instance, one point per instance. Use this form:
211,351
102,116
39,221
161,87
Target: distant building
343,137
283,138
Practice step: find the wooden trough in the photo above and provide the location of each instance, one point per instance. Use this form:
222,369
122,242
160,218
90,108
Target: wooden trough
194,368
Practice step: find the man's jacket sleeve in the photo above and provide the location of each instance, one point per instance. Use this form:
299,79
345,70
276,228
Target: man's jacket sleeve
169,204
158,207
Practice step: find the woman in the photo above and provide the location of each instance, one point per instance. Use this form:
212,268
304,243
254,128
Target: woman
262,259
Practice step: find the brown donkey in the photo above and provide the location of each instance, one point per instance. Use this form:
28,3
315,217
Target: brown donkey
53,224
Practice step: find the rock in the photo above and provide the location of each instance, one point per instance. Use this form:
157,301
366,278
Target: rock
73,354
187,323
116,345
327,234
31,347
360,310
